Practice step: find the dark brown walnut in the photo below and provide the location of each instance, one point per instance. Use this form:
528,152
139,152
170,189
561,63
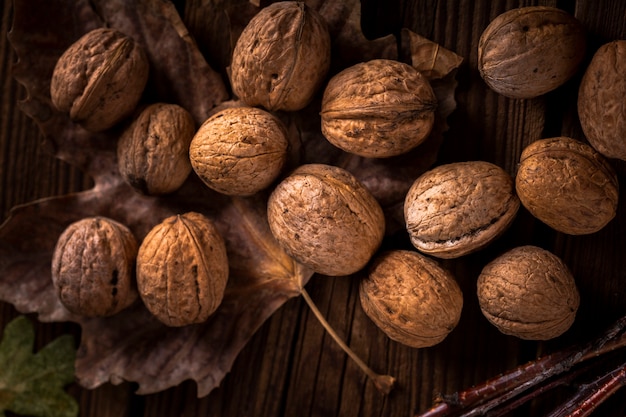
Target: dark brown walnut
528,292
459,208
529,51
326,219
378,109
567,185
411,298
182,269
239,151
93,267
99,79
282,57
601,100
153,152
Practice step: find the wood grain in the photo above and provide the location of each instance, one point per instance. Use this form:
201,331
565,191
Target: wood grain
291,366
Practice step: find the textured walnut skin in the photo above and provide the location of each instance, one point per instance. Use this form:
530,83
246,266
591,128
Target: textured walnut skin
528,292
529,51
411,298
99,79
93,267
459,208
380,108
327,220
153,152
239,151
567,185
281,58
601,100
182,269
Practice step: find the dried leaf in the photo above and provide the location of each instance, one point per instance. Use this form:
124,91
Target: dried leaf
262,276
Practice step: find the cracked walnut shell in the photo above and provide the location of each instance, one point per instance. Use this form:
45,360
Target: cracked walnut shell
182,269
282,57
153,152
378,109
99,79
239,151
528,292
529,51
601,95
323,217
411,298
567,185
93,267
459,208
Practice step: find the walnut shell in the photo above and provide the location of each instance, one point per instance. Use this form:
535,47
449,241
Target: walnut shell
601,100
239,151
567,185
282,57
411,298
528,292
326,219
99,79
529,51
182,269
459,208
153,152
93,267
378,109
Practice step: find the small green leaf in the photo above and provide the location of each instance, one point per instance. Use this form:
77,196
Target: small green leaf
32,384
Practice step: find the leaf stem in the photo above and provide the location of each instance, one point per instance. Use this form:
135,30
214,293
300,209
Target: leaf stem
383,383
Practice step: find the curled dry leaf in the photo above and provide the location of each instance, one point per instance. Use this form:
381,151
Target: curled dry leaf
262,276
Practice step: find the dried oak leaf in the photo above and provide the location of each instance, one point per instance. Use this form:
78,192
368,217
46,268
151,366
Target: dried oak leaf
133,346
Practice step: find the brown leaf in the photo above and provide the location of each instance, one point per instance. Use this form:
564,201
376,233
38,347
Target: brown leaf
262,276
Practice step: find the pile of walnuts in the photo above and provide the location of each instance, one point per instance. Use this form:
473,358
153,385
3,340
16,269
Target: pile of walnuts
321,215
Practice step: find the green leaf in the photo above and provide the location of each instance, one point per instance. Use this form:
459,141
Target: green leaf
33,384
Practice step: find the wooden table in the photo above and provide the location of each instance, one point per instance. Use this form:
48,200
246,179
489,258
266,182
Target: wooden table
291,367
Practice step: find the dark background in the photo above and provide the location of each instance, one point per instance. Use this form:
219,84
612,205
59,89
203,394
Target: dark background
291,366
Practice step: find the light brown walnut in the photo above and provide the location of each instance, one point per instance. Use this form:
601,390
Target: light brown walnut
182,269
411,298
282,57
529,51
99,79
567,185
153,152
93,267
239,151
326,219
378,109
601,100
528,292
458,208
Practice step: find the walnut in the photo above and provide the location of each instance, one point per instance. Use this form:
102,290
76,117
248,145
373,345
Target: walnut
601,100
378,109
567,185
182,269
528,292
99,79
411,298
282,57
458,208
239,151
93,267
529,51
326,219
153,152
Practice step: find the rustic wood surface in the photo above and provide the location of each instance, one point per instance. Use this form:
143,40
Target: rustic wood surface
291,367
